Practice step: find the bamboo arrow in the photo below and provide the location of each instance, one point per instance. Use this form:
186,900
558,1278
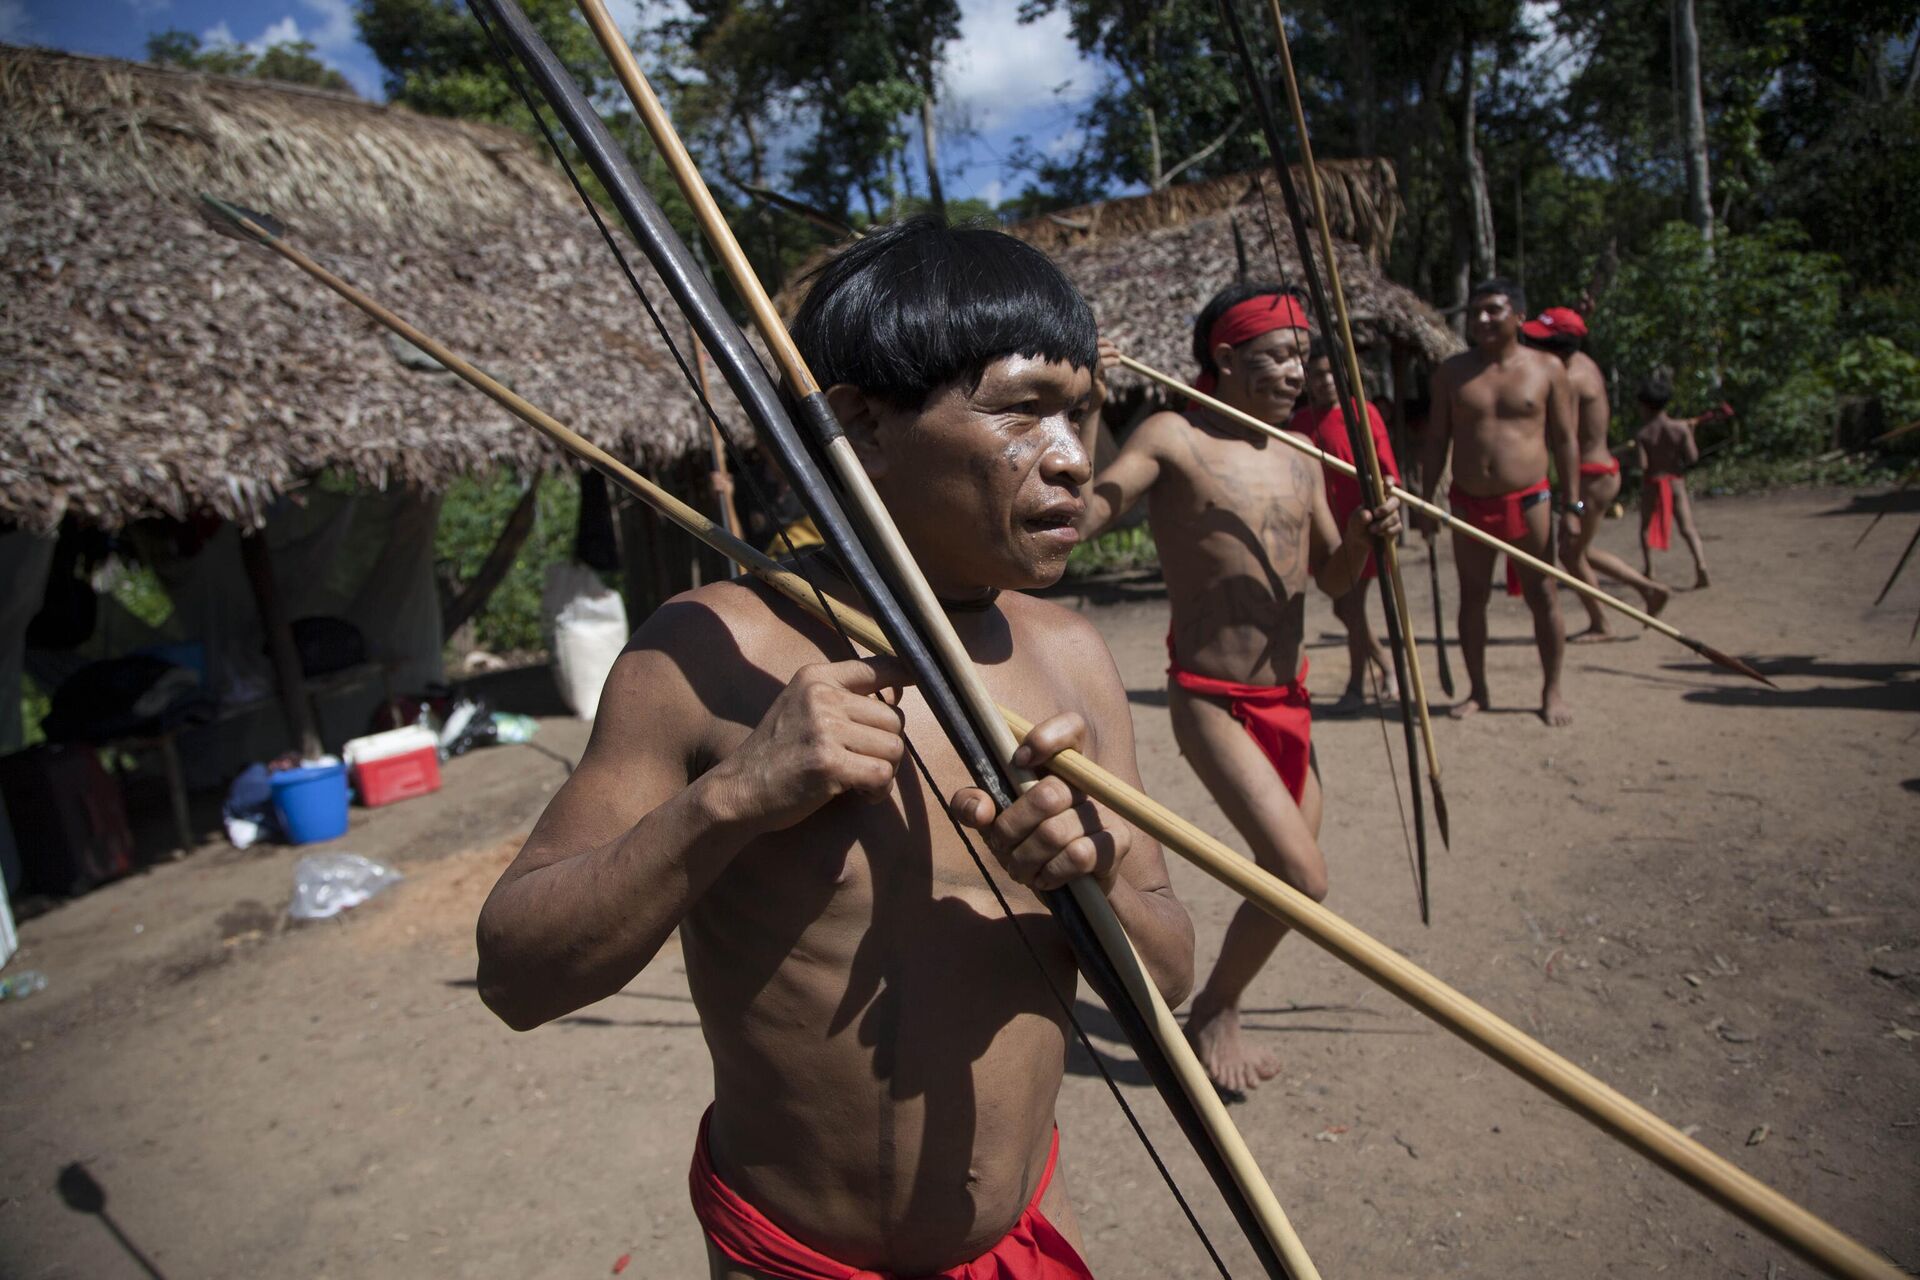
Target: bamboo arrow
1693,1163
1453,522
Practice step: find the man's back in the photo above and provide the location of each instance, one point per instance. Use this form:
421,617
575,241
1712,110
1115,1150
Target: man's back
1232,516
1496,413
1592,412
1667,444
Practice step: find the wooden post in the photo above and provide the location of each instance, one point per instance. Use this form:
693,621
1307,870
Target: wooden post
278,629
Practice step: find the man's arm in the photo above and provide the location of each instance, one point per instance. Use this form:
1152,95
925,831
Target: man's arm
1692,443
1115,491
1563,433
630,842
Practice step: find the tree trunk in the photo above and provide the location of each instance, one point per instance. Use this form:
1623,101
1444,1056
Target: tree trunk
513,536
278,629
928,140
1479,208
1686,57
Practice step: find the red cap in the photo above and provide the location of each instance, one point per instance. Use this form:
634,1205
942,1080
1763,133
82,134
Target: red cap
1556,322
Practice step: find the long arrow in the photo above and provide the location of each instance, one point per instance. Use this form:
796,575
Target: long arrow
943,669
1334,323
1620,1117
1447,518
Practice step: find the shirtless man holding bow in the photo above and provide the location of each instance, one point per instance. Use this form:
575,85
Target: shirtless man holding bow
886,1055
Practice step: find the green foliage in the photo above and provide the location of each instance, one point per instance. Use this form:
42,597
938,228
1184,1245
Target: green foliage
138,590
471,518
35,703
438,60
1878,368
1115,551
1762,311
290,61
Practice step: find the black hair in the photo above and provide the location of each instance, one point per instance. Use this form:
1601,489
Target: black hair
1319,349
919,304
1655,390
1515,292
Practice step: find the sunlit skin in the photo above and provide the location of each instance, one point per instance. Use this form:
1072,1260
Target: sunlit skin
1502,410
886,1056
1577,552
1665,444
1242,523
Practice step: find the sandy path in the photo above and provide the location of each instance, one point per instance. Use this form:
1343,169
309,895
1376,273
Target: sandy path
1703,893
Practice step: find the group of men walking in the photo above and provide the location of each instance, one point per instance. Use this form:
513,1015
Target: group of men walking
886,1059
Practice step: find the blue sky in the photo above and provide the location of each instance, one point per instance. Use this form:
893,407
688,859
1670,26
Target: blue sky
1003,80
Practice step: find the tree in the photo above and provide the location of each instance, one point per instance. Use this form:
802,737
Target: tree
289,61
439,61
1686,56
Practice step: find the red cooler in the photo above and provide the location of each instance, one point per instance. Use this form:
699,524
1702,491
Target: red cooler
396,765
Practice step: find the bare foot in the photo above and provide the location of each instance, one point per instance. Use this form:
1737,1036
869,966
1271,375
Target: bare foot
1657,600
1554,710
1700,582
1472,704
1593,635
1348,703
1231,1064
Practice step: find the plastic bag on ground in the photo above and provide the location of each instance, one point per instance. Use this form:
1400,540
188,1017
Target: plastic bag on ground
325,884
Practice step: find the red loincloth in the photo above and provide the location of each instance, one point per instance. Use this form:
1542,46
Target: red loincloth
1033,1250
1504,516
1660,522
1278,717
1327,428
1595,470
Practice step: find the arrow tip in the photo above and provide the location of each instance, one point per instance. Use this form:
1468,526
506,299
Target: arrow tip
238,222
1440,812
1730,662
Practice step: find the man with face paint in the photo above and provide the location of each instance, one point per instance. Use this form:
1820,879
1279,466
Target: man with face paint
1505,411
886,1052
1242,522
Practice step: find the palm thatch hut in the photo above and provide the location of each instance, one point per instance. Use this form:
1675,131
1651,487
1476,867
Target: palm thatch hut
1149,263
157,376
150,367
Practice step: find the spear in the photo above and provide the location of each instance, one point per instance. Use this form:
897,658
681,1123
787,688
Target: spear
1453,522
1439,617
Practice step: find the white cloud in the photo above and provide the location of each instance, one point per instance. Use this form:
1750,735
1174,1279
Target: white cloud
992,192
1068,141
218,33
14,22
336,29
1001,67
285,31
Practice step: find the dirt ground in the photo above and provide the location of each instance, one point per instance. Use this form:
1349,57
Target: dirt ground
1703,893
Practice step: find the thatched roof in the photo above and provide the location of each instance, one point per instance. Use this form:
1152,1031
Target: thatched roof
1149,263
149,366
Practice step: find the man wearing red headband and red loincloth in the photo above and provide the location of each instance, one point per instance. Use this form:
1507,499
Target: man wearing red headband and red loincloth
1504,409
1559,331
1666,447
1241,522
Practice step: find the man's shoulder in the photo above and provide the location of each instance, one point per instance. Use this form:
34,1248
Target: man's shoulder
1036,618
1459,365
737,622
1584,372
1160,426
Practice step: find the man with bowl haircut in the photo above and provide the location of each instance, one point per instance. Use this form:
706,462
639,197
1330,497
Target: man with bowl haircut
1504,411
886,1055
1241,522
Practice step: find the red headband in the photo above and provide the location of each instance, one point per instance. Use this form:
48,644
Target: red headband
1245,321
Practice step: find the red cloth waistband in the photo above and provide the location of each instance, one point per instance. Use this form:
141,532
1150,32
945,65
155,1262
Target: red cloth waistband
1594,470
1660,517
1033,1250
1278,717
1504,515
